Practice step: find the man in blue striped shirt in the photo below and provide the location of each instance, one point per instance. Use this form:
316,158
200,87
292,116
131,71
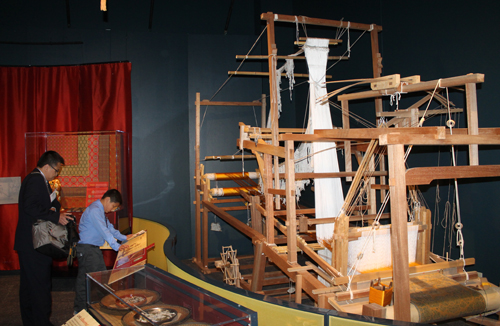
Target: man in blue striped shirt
94,230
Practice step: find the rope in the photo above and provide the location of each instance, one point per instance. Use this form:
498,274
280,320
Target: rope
240,63
427,108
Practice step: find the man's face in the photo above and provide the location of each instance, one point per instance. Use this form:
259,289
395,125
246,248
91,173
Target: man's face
52,171
110,206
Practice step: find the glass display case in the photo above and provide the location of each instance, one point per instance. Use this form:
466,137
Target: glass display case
148,295
95,161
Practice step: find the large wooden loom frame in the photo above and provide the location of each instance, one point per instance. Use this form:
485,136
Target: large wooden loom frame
295,230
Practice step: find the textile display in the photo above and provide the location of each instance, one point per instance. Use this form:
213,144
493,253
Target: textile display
94,97
437,298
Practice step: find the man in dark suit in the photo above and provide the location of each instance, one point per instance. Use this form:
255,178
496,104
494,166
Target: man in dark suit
37,201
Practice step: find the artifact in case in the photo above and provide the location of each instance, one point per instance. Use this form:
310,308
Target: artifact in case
151,296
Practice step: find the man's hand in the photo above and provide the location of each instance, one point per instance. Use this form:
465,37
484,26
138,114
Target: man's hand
64,218
130,236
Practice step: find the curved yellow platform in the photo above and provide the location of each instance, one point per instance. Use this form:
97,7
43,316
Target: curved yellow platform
270,311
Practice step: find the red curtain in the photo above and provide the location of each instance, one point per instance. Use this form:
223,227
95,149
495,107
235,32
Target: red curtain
94,97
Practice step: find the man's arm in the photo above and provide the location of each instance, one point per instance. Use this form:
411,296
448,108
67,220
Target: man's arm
117,234
37,204
98,221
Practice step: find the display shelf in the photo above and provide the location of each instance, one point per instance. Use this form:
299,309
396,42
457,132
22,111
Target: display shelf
95,161
148,292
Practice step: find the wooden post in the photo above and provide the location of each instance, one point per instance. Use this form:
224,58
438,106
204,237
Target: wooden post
259,266
263,114
197,189
291,215
269,198
399,232
472,121
347,144
414,117
376,65
197,223
372,193
272,51
381,165
298,289
197,142
205,227
255,214
424,237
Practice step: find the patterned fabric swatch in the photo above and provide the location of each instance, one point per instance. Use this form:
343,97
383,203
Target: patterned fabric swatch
438,298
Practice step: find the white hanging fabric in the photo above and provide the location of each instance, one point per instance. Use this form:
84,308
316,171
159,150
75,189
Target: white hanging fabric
321,156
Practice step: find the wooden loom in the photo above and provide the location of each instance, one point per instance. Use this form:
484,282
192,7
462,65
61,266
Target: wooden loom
287,228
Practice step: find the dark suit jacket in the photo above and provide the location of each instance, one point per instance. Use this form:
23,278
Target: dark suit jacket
34,204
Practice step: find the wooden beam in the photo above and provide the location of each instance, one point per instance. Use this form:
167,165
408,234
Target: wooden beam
373,133
429,139
264,148
412,270
318,175
399,233
281,192
258,130
282,57
407,114
298,211
425,175
266,74
318,22
422,86
229,157
309,282
219,103
234,222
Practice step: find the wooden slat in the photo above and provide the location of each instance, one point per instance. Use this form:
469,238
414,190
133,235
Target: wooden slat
266,74
234,222
312,175
373,133
412,270
422,86
298,57
268,130
264,148
220,103
281,192
318,22
407,114
425,175
298,211
428,139
379,186
229,157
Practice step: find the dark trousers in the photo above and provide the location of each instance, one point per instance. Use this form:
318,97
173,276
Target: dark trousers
89,260
35,286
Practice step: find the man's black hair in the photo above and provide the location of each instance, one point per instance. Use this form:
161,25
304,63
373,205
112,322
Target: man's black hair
51,158
114,196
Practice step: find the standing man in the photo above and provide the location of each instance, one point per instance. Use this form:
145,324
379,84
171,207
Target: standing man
94,229
37,201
